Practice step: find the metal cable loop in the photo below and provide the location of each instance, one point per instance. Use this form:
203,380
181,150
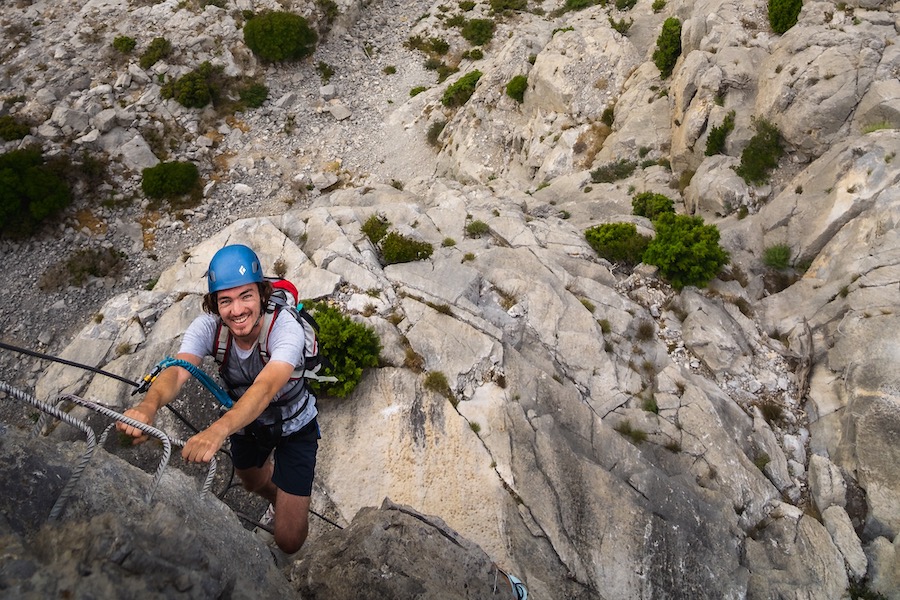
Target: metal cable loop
167,441
66,418
149,430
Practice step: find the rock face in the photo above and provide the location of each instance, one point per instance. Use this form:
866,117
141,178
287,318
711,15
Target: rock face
603,435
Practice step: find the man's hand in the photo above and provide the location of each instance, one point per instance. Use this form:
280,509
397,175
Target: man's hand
141,413
203,446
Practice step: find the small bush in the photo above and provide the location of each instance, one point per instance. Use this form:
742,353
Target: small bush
434,132
191,90
478,32
29,191
253,95
158,49
466,5
349,346
668,47
761,154
500,6
611,172
650,205
397,248
686,250
477,228
437,382
417,90
715,142
783,14
389,70
170,179
124,44
326,71
658,5
12,128
278,36
516,87
459,92
448,242
777,256
375,228
617,242
622,26
571,5
635,435
473,54
608,116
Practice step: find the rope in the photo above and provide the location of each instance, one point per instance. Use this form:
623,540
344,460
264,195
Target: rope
66,418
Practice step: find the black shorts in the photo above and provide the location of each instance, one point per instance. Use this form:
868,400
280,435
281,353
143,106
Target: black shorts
295,458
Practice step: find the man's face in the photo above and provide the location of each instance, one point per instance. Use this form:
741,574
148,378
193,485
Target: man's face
240,309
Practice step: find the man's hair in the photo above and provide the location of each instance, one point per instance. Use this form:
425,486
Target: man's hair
211,301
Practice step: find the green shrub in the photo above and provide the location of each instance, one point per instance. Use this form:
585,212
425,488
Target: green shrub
434,132
715,142
277,36
459,92
253,95
329,11
500,6
326,71
12,128
625,4
29,191
658,5
650,205
375,228
348,346
608,116
477,228
622,26
466,5
516,87
777,256
438,46
571,5
686,250
783,14
397,248
124,44
617,242
170,179
437,382
158,49
473,54
613,171
417,90
761,154
668,47
478,32
191,90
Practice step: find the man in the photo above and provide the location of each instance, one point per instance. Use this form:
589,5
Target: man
273,409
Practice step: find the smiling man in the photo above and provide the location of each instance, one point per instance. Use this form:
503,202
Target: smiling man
274,413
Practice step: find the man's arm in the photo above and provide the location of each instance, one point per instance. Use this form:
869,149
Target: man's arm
161,392
203,446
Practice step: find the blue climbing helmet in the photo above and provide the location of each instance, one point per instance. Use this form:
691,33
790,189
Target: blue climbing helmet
233,266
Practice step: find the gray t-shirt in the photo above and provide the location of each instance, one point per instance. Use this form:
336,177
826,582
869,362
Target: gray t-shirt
285,344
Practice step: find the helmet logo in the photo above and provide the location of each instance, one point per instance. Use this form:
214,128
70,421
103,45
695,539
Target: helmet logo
242,270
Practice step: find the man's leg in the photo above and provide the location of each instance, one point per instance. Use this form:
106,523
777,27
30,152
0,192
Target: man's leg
259,481
291,521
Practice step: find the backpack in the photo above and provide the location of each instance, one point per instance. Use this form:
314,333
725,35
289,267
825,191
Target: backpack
284,297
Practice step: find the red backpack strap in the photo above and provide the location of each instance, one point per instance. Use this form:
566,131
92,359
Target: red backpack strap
222,344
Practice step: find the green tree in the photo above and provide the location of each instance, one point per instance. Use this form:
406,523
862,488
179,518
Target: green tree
170,179
715,142
668,47
686,250
516,87
783,14
650,205
478,32
459,92
617,242
277,36
761,154
348,346
29,191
